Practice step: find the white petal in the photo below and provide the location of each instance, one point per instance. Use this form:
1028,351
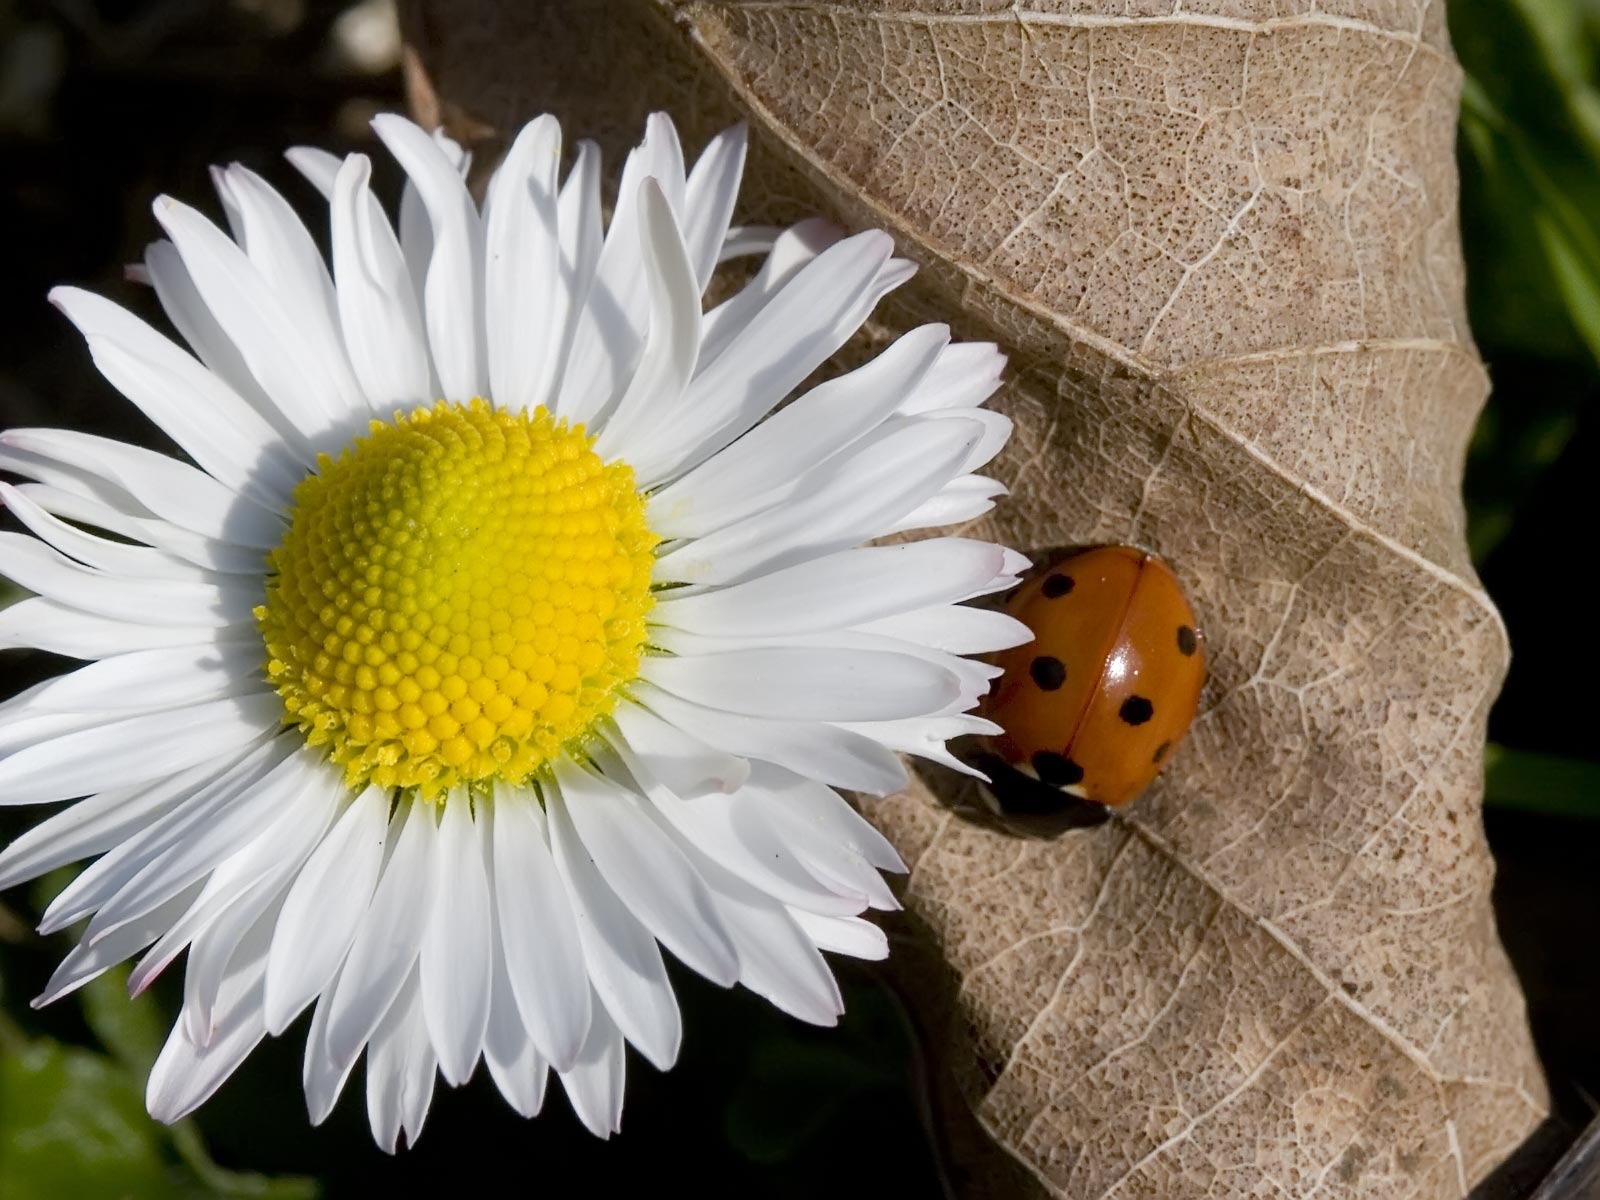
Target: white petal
400,1070
996,432
69,475
322,1076
682,762
850,499
824,751
137,749
230,206
648,873
793,248
624,961
804,324
612,324
768,462
959,501
925,737
87,961
324,909
538,931
723,829
386,1060
288,259
242,888
23,730
389,939
967,374
854,936
972,677
84,829
117,558
673,340
515,1064
219,601
777,960
146,679
594,1084
581,230
187,497
187,311
319,167
185,1076
452,296
521,267
239,935
838,590
955,629
255,318
233,825
745,240
204,791
416,234
383,331
42,624
457,950
794,799
788,683
206,553
712,189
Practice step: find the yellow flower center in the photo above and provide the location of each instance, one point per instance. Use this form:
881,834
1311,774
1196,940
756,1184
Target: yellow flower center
459,596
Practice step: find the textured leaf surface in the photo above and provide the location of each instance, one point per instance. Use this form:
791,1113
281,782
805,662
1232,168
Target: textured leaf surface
1219,241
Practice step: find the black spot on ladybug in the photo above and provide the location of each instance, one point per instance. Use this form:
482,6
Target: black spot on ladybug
1057,586
1048,672
1136,710
1186,640
1056,769
1161,751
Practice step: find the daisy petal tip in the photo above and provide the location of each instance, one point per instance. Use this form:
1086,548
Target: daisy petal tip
1016,562
62,296
390,121
897,271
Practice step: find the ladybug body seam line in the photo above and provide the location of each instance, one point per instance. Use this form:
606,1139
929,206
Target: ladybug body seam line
1105,659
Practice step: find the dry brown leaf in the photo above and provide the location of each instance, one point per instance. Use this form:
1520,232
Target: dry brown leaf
1219,239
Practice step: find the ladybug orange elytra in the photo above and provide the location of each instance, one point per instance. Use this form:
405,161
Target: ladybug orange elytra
1095,704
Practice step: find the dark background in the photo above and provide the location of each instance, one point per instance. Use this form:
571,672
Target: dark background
104,105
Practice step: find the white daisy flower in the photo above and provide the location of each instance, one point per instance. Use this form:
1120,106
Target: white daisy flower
505,629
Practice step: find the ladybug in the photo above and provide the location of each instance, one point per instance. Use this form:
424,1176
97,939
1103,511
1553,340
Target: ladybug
1095,704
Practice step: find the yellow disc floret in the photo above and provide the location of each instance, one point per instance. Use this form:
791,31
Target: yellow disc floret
460,595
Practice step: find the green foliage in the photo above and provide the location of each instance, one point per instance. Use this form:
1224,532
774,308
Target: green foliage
1530,180
1530,131
73,1123
1530,159
1550,783
73,1120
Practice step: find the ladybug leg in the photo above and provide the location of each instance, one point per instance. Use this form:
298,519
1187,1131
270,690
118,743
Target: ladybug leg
1018,793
